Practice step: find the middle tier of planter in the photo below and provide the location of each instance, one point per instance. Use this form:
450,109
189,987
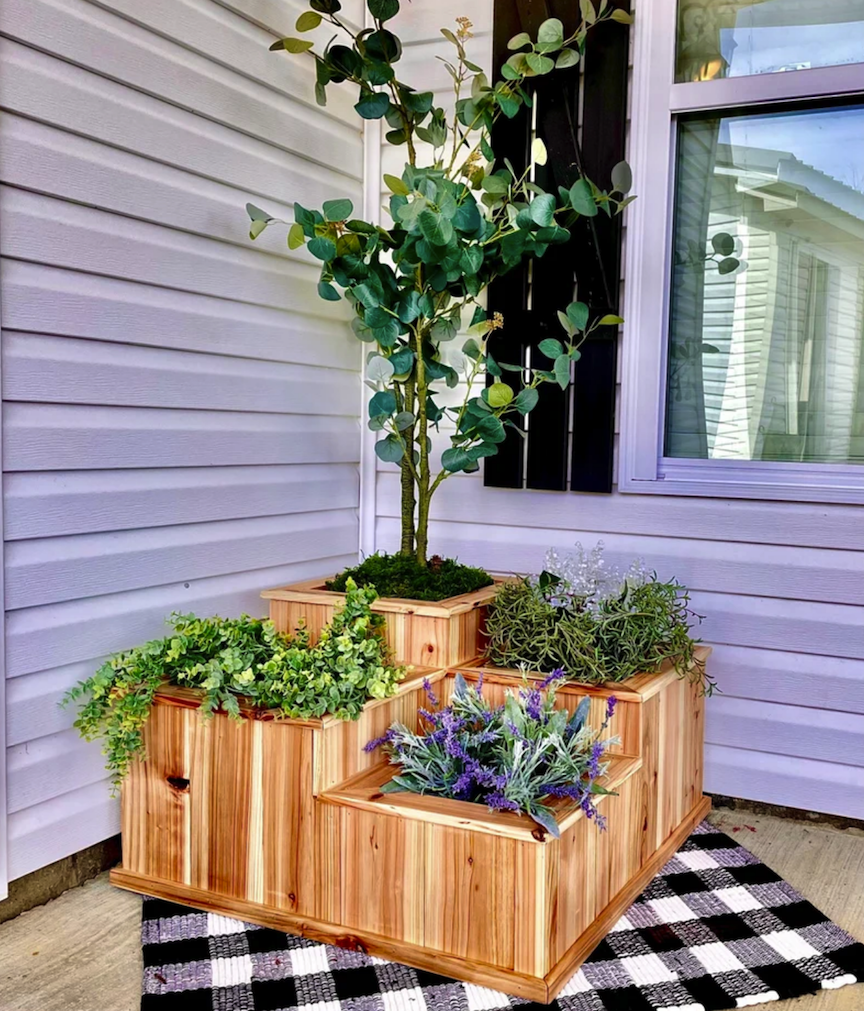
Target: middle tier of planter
283,823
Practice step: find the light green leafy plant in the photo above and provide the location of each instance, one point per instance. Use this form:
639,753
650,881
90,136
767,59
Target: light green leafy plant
233,658
460,219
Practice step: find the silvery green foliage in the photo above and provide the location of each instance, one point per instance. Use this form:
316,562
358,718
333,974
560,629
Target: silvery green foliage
583,580
516,757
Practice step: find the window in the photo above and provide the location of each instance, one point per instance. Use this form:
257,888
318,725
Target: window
744,345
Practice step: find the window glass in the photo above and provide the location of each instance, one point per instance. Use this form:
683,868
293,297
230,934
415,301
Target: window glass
735,38
766,356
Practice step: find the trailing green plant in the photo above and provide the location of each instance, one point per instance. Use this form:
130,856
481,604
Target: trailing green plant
232,658
459,221
404,576
515,757
597,624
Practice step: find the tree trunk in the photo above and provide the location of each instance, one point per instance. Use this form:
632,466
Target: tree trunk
408,504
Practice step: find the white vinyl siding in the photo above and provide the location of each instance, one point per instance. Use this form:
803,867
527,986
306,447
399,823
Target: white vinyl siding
180,409
781,583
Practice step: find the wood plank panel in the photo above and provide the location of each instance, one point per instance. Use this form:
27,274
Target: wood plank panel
469,883
382,861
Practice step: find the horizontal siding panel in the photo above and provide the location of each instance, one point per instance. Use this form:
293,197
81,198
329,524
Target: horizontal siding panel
44,230
50,831
111,47
67,370
279,16
33,707
38,86
796,679
40,638
719,567
49,767
73,437
422,22
789,782
62,503
782,729
46,300
237,44
89,565
37,157
567,517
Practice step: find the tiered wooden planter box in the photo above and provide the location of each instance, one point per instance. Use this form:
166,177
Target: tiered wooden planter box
283,823
442,633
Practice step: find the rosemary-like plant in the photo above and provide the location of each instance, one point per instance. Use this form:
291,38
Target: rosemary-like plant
230,658
515,757
598,626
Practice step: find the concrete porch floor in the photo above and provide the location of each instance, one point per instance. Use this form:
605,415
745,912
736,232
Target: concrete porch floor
81,952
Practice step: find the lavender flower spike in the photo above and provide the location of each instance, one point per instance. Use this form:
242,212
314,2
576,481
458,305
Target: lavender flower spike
610,706
559,674
377,742
433,701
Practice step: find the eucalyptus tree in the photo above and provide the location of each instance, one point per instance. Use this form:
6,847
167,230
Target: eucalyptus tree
459,219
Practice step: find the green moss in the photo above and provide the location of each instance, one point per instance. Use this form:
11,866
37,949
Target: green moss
404,576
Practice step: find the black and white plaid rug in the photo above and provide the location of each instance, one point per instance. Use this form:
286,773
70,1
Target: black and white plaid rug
715,929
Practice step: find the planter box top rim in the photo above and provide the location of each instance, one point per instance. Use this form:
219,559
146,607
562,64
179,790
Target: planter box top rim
190,698
636,688
312,591
363,792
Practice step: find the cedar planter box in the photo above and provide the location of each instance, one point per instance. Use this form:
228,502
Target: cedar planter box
283,823
441,633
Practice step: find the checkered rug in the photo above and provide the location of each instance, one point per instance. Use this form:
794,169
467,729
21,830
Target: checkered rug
715,929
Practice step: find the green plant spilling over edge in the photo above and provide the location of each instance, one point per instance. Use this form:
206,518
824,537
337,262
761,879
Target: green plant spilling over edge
511,758
403,576
459,222
600,626
234,658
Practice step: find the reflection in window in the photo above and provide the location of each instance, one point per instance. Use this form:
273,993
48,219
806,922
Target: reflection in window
766,356
736,38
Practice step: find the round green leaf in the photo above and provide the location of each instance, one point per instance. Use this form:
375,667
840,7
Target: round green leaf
577,313
338,210
383,10
372,105
562,371
539,64
499,395
728,265
566,58
296,238
384,402
455,459
582,199
403,420
497,184
491,429
551,348
395,185
328,292
379,369
389,449
542,209
307,21
325,6
526,400
292,45
322,248
256,214
610,320
520,40
622,17
622,177
552,30
256,228
539,155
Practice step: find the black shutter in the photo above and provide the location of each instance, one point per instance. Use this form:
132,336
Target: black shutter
581,116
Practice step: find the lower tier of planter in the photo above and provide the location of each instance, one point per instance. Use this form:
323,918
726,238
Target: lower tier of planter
282,823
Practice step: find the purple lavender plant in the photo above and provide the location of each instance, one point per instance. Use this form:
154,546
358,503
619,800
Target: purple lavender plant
514,757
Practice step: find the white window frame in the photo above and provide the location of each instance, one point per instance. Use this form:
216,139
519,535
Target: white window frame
656,100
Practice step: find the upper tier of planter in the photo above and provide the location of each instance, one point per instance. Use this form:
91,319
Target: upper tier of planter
441,633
